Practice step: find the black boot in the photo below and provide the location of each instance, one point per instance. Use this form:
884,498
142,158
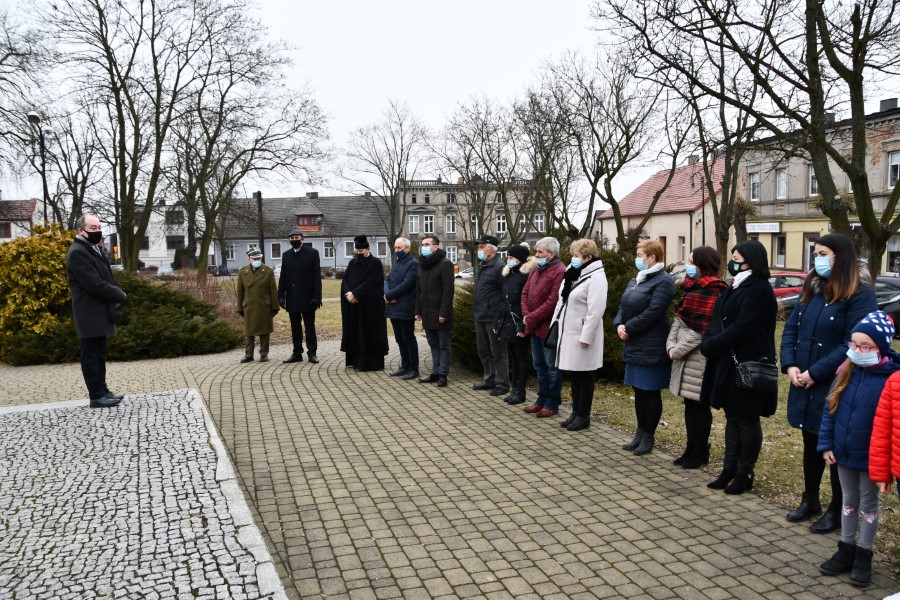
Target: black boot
519,394
841,561
568,421
806,510
646,445
638,436
698,458
740,484
861,575
688,450
579,423
513,398
723,480
830,521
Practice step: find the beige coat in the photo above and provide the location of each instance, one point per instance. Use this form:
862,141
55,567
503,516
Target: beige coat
257,299
687,363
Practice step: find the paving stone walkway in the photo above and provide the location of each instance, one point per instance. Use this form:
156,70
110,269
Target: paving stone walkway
369,487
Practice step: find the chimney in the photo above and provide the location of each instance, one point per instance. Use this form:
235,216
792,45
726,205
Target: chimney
888,104
367,194
312,195
693,159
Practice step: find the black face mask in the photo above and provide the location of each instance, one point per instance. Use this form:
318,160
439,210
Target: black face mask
734,267
94,237
296,243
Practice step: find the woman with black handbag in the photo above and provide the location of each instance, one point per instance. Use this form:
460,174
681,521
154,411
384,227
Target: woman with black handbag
742,329
510,327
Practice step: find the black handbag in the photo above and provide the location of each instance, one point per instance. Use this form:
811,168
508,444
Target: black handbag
760,375
552,338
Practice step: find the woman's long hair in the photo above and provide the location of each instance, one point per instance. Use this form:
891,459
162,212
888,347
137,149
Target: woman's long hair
840,384
707,260
755,256
844,279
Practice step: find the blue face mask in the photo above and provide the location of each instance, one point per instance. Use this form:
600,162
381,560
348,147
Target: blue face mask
481,255
690,271
576,263
823,266
541,262
863,359
511,264
426,251
639,263
400,254
256,264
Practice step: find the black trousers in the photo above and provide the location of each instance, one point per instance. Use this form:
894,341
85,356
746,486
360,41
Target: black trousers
298,320
520,361
648,409
814,467
743,442
581,384
93,366
698,422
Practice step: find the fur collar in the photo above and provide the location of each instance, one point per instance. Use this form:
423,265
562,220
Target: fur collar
817,285
525,268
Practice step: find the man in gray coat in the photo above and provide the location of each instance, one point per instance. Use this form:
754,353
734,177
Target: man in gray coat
96,306
486,302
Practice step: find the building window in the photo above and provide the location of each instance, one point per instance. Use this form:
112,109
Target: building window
427,199
382,248
754,186
174,242
682,248
780,250
175,217
475,228
428,224
501,224
781,183
145,243
229,252
450,221
451,198
275,250
414,223
349,250
893,168
413,199
539,223
5,230
451,253
813,184
329,249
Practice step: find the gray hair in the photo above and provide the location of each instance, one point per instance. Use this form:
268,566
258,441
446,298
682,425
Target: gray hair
550,244
491,247
406,243
79,222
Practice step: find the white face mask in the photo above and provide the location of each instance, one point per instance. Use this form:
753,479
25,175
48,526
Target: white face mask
256,264
863,359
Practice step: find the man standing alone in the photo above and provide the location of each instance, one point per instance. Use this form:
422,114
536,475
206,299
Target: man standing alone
486,302
399,307
362,310
96,298
434,306
300,294
257,300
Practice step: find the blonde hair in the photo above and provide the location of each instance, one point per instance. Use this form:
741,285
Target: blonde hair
585,247
655,248
840,384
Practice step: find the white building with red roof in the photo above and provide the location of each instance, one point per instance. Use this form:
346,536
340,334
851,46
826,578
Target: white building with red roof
17,218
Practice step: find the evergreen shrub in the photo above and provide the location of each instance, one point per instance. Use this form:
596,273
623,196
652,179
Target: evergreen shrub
465,350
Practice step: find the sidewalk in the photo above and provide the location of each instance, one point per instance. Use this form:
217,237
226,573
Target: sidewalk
369,487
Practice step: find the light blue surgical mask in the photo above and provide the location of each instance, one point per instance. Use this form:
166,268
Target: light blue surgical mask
481,255
426,250
639,263
256,264
823,266
541,262
690,271
864,359
511,264
576,263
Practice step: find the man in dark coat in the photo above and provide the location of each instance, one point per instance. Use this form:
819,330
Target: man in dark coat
486,304
362,310
96,306
300,294
434,306
257,299
399,307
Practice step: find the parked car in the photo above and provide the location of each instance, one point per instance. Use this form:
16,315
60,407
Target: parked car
785,284
786,305
278,271
217,270
165,271
466,273
887,287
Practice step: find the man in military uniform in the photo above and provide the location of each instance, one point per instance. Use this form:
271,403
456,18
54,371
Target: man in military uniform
258,303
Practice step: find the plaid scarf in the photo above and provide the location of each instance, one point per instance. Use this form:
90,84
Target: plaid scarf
700,295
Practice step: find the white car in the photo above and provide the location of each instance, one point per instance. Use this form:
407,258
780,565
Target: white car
165,271
466,273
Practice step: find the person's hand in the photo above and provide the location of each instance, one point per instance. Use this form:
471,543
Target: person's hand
525,320
442,320
495,331
520,334
671,353
828,455
350,297
418,317
623,335
584,344
793,373
117,305
805,380
282,302
240,312
316,302
884,487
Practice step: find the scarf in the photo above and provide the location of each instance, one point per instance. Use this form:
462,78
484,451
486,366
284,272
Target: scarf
571,276
642,275
700,295
426,262
740,277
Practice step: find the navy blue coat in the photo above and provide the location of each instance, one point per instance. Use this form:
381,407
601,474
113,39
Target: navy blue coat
847,431
815,339
400,285
645,313
488,296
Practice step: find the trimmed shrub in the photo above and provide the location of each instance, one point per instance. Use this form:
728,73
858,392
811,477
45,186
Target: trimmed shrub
465,349
618,273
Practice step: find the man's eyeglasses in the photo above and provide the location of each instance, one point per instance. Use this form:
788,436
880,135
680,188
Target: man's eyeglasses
861,347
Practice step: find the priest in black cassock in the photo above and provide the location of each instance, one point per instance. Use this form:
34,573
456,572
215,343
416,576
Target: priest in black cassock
364,340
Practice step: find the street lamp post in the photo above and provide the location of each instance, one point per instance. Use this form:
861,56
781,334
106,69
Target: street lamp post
35,120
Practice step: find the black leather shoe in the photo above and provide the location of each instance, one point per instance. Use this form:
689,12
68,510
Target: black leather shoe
313,359
429,378
805,511
247,359
410,375
442,381
499,391
116,396
830,521
579,423
293,358
483,386
398,373
107,401
263,359
568,421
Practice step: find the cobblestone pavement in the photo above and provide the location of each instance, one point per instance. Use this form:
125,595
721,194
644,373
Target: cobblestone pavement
369,487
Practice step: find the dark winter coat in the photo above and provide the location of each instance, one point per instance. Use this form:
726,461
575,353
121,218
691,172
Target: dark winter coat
488,290
94,290
400,285
434,291
644,311
743,322
257,299
364,328
509,318
300,282
815,339
539,297
847,432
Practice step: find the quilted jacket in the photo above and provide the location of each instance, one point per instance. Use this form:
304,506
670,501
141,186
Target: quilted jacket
884,448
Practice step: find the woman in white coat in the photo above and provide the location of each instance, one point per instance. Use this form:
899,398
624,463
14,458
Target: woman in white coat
579,311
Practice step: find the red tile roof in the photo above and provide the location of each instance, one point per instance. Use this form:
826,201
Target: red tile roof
680,196
17,210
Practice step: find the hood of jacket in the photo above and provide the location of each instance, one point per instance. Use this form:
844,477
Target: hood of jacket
525,268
